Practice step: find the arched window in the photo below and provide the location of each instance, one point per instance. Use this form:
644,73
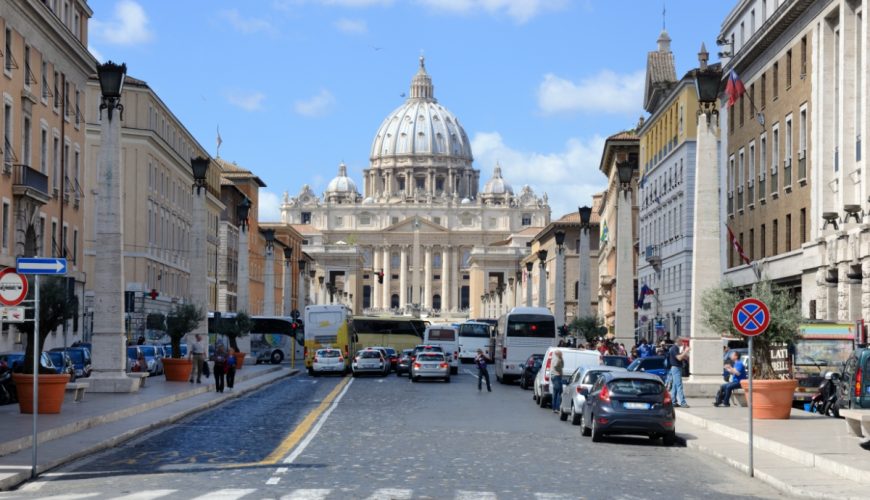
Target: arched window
436,302
394,301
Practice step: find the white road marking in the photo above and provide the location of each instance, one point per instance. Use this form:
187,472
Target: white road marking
555,496
273,480
391,494
72,496
146,495
311,434
307,494
228,494
475,495
281,470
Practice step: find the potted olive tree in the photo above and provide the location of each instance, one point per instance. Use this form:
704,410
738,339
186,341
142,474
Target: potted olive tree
55,307
181,321
771,396
235,328
587,327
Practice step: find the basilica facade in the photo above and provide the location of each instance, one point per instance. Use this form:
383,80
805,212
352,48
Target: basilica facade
420,236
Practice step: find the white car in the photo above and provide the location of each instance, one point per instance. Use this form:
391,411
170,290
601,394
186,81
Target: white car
577,386
370,361
572,359
430,365
445,335
328,361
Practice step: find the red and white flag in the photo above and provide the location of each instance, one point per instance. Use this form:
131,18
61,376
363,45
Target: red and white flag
734,88
737,247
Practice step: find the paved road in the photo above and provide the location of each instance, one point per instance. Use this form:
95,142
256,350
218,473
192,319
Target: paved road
304,438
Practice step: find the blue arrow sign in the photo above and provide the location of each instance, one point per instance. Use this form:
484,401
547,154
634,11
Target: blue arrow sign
41,265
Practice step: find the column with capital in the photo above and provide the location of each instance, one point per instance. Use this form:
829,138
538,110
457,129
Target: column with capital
542,278
377,294
403,277
456,278
427,278
445,278
387,303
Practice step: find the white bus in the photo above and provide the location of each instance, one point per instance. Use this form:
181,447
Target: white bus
474,335
520,333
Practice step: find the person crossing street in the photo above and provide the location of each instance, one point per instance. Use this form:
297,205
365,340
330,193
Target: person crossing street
481,361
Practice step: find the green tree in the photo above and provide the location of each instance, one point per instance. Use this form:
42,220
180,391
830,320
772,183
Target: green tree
181,321
236,327
785,318
55,307
588,327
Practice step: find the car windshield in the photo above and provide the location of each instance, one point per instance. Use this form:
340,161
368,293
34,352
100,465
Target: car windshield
147,350
636,387
591,377
77,356
371,354
56,358
430,357
445,334
619,361
390,351
328,354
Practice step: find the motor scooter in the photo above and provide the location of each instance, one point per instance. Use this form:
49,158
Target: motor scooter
8,395
825,401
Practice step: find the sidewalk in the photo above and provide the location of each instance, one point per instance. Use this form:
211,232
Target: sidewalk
101,421
808,455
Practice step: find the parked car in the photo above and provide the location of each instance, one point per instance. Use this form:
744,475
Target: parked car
153,363
15,361
854,386
167,350
62,363
572,359
385,351
423,348
614,360
651,364
393,356
430,365
530,369
404,364
81,359
446,336
576,388
327,361
370,361
629,403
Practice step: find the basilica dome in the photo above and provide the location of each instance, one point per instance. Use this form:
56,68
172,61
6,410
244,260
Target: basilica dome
421,126
497,185
341,183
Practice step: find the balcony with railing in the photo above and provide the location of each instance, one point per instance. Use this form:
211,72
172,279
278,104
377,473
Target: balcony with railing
653,256
30,183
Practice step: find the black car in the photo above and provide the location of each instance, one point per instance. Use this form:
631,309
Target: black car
629,403
404,364
530,369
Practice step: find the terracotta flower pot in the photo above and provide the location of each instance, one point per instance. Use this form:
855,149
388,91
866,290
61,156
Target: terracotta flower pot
771,399
51,392
177,369
240,360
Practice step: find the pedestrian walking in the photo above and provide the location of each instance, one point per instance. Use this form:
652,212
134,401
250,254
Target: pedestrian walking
197,355
220,368
556,369
231,369
675,372
738,372
481,361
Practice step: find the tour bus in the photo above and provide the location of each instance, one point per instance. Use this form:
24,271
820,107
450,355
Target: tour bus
445,336
520,333
327,326
474,335
396,332
272,339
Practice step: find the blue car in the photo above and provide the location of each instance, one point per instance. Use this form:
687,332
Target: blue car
81,359
654,365
14,360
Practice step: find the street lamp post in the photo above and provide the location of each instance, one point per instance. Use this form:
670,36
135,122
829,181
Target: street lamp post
269,274
584,292
542,278
301,295
199,258
288,280
624,320
243,279
559,292
529,266
500,291
109,352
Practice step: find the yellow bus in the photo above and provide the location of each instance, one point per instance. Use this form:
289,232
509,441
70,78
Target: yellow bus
396,332
327,326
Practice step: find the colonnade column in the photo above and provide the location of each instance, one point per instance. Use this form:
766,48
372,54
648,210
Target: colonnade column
403,277
542,278
377,294
445,278
455,278
427,278
387,275
529,267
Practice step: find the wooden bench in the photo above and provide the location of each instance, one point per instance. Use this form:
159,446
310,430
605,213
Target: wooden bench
143,376
857,422
78,389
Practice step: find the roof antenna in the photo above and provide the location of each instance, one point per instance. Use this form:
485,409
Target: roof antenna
664,11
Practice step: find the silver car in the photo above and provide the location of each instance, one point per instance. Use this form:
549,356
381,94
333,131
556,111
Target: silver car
575,389
430,365
369,361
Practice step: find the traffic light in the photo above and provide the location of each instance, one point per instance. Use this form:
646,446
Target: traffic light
153,294
294,314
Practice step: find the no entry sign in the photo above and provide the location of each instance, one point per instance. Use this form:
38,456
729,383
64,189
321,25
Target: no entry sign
13,287
750,317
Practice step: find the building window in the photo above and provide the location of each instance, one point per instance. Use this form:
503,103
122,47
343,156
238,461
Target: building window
365,219
56,90
28,79
394,220
803,226
742,99
26,141
775,89
8,53
803,56
306,217
788,70
752,244
763,241
775,235
43,151
55,156
44,79
436,220
788,232
75,245
51,238
763,90
76,110
339,221
5,225
527,220
7,135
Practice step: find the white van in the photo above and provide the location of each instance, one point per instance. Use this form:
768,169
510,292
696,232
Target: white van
445,336
572,359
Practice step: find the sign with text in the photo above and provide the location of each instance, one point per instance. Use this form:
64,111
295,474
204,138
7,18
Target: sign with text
780,359
13,287
12,314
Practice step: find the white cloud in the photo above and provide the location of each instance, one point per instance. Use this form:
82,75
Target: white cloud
520,10
249,101
97,54
569,177
246,25
605,92
269,209
289,5
352,26
318,105
128,26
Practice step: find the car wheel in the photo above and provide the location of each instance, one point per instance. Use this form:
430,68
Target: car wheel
562,415
586,431
447,380
542,401
669,439
277,357
575,417
454,370
596,432
523,384
353,374
415,379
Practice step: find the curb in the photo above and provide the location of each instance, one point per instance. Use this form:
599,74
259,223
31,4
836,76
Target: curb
20,477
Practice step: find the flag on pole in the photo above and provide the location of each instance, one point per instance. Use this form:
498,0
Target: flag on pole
737,247
734,88
641,296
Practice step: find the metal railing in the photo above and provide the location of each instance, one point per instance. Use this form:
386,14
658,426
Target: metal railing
31,178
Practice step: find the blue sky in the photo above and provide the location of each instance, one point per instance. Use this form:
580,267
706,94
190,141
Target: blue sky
298,86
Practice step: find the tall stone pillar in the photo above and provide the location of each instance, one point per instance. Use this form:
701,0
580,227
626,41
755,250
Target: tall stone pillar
427,278
377,293
624,320
559,292
288,282
403,277
542,278
244,278
529,267
843,286
109,344
302,296
388,274
584,290
416,264
705,363
511,296
455,278
269,282
445,278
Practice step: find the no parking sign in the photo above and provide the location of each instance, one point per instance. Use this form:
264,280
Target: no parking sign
751,317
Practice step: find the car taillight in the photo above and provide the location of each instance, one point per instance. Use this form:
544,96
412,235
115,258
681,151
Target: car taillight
442,365
667,400
417,365
858,383
504,353
604,395
547,369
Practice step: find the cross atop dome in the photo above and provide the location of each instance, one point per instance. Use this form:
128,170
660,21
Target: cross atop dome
421,84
